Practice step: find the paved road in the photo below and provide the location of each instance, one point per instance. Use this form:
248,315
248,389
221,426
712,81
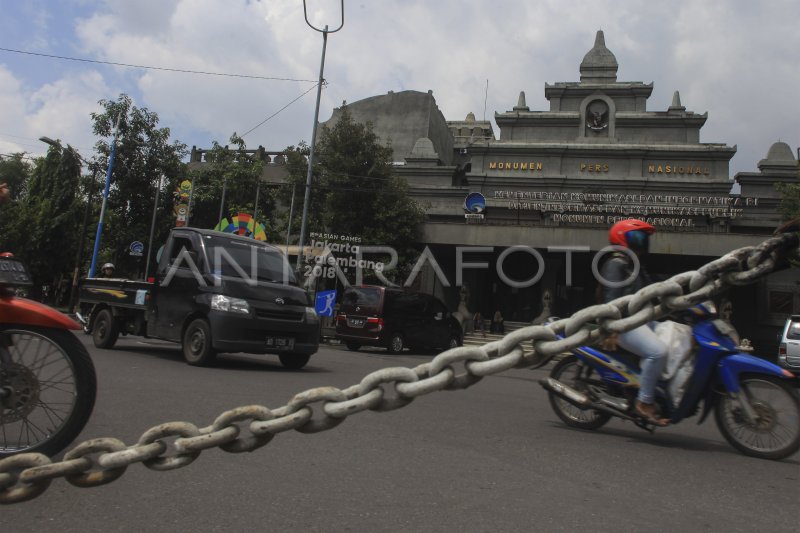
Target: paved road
490,458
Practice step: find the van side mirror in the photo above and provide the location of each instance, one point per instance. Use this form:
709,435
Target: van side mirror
438,316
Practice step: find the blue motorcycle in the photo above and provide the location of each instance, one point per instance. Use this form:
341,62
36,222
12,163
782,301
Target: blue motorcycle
756,403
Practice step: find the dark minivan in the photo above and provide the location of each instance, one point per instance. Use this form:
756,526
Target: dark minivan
395,319
212,292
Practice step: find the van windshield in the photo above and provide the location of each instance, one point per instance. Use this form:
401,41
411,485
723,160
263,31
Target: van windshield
368,297
237,259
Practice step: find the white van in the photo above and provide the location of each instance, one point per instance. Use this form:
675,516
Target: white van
789,348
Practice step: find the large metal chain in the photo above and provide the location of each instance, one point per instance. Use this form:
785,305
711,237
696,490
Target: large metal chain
243,429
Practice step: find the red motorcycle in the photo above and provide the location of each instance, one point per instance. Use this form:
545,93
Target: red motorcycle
47,379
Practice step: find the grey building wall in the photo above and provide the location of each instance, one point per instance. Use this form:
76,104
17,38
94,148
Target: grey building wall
401,119
779,166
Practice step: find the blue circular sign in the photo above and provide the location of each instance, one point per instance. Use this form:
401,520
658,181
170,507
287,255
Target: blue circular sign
475,203
137,248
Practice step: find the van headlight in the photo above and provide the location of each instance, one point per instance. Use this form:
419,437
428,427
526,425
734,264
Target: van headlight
311,314
220,302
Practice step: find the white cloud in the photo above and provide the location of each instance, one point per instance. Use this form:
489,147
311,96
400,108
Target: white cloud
61,109
57,110
12,113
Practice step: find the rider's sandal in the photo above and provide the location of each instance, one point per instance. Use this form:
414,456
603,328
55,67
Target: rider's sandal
650,418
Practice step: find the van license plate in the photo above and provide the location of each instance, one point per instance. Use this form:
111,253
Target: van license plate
280,343
356,322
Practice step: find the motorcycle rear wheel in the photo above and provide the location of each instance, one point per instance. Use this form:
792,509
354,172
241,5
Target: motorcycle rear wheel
47,390
776,433
571,371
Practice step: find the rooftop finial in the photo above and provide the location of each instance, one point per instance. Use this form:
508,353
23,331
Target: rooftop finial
599,65
676,106
599,39
521,105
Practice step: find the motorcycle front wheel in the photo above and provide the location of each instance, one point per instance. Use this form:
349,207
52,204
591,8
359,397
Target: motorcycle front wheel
572,372
775,434
48,387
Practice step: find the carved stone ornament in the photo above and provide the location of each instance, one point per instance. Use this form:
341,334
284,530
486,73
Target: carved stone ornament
597,116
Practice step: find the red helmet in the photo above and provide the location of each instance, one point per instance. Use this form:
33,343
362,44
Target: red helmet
630,233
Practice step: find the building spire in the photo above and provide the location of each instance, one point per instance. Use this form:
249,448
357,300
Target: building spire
599,65
521,105
599,39
676,103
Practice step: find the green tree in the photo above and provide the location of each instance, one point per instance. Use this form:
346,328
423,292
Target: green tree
144,155
42,223
15,170
355,191
790,202
236,171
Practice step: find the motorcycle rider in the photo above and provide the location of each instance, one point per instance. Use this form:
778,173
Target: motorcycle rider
107,271
621,269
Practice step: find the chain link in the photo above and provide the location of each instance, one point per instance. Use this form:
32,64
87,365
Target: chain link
26,476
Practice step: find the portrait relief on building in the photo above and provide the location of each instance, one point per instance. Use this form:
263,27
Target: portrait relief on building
597,118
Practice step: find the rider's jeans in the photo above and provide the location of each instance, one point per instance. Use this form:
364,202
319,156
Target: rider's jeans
644,342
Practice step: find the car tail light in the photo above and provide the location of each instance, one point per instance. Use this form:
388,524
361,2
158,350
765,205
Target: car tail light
376,320
341,317
782,354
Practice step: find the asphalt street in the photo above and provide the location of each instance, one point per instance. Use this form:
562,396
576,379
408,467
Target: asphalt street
493,457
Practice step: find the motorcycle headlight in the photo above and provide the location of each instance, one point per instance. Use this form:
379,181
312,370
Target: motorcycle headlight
220,302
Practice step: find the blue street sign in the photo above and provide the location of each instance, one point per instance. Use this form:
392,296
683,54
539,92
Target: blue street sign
136,248
325,301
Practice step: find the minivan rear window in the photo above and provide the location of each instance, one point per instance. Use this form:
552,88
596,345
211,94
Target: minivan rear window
362,296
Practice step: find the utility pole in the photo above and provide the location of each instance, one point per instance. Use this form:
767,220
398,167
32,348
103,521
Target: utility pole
309,176
152,228
289,224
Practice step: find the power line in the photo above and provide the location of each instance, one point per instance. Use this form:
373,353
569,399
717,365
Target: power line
276,112
186,71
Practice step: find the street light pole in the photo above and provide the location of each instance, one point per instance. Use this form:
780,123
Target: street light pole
99,232
73,294
309,176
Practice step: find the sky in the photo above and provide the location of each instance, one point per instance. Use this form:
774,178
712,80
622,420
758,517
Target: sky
737,60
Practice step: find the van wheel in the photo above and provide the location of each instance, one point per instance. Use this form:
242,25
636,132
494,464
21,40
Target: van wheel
294,361
197,347
396,343
353,346
105,330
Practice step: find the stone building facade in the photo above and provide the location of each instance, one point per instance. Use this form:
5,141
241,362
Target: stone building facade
553,181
